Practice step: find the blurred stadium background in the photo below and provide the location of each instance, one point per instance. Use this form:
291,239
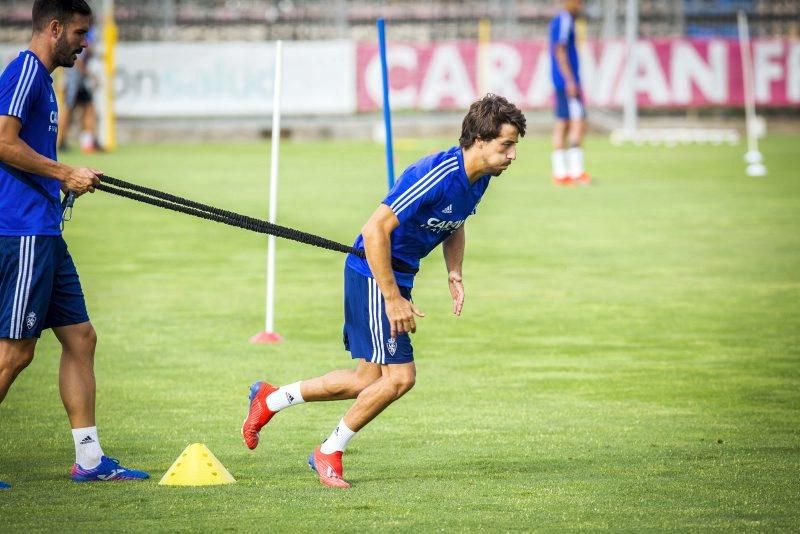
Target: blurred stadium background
211,79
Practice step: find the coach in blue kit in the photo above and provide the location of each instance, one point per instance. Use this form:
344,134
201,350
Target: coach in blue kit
570,123
39,286
427,206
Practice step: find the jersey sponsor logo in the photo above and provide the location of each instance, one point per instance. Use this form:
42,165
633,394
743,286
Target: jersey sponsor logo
30,320
448,209
53,122
392,345
438,226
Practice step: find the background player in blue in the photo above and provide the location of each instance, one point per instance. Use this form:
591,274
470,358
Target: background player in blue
39,286
570,123
427,206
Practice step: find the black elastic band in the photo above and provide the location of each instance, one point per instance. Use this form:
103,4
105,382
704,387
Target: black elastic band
175,203
203,211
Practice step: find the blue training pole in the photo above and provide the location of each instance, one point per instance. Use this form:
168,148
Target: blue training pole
387,112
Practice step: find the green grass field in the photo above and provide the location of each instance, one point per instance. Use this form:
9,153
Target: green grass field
628,357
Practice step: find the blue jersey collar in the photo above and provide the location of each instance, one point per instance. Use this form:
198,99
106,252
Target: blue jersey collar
44,69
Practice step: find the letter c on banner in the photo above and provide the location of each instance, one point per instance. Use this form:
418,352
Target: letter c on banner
397,57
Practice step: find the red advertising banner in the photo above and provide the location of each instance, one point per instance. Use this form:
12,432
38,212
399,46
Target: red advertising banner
670,73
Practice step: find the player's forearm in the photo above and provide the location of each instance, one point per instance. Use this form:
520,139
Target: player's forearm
377,246
563,64
18,154
453,248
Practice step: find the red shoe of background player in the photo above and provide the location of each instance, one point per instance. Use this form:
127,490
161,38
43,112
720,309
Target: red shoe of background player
258,415
583,179
565,181
329,468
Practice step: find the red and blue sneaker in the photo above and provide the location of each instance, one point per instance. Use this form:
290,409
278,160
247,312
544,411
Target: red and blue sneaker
4,485
329,468
109,469
258,414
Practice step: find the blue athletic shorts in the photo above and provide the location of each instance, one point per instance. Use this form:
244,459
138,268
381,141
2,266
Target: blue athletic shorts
366,328
569,108
39,286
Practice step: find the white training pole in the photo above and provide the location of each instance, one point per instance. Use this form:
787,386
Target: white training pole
755,167
630,108
269,335
273,185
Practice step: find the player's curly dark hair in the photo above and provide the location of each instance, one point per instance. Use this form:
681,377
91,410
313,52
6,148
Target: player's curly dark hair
487,116
61,10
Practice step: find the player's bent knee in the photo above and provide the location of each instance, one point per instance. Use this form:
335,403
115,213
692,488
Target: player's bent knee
15,361
403,384
24,362
17,356
361,385
79,339
88,339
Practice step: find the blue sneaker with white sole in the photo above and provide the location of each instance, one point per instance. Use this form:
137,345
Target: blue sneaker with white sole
109,469
4,485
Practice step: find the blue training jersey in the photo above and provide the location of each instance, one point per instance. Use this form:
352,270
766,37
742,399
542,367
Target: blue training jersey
562,32
431,199
29,203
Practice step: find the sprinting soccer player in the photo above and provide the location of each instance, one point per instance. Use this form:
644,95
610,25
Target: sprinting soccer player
39,286
570,123
427,206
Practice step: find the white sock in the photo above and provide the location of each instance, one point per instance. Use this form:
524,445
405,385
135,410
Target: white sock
575,161
86,140
559,163
338,439
87,447
284,397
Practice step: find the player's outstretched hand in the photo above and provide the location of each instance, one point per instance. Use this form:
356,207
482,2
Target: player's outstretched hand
82,179
400,313
457,291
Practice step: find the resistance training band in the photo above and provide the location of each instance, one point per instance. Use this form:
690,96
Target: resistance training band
171,202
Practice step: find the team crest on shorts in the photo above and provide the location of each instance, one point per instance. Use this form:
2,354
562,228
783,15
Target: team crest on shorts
392,345
30,320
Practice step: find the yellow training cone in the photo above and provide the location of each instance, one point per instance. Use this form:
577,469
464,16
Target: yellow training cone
196,466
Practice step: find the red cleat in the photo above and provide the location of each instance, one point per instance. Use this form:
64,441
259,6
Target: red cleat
329,468
565,181
258,415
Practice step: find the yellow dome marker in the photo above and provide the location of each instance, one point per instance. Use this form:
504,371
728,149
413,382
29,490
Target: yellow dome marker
196,466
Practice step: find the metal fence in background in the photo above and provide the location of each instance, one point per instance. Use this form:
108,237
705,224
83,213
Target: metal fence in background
418,21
